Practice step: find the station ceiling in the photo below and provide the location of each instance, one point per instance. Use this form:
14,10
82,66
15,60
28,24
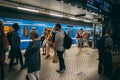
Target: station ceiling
56,6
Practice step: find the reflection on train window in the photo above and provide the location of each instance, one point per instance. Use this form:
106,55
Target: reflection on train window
25,31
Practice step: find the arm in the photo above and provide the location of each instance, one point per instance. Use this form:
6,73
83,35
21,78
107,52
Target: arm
28,50
56,41
108,44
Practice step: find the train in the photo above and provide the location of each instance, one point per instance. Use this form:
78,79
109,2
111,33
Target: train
27,25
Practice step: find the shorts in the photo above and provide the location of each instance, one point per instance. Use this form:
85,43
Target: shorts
44,43
80,41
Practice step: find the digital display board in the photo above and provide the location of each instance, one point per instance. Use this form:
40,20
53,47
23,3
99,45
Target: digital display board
106,7
101,6
94,4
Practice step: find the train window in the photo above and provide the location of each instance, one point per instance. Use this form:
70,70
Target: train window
26,31
7,29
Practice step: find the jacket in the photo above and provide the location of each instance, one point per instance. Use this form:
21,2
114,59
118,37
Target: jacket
32,56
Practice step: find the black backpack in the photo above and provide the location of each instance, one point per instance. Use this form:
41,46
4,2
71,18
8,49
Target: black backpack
100,45
67,42
53,37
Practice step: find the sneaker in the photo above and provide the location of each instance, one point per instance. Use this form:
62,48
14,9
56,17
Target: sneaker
23,67
60,71
44,54
47,56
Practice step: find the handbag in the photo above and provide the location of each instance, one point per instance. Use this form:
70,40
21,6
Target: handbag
55,58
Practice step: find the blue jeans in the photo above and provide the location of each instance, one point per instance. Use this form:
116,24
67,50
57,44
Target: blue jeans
61,60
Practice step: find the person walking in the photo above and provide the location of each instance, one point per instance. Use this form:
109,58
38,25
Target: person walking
15,47
32,57
86,36
79,39
58,46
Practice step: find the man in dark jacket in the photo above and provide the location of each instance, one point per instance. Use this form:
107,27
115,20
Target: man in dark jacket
15,47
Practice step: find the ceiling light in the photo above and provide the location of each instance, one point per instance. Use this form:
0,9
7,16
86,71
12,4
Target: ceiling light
94,13
73,18
27,9
58,15
87,20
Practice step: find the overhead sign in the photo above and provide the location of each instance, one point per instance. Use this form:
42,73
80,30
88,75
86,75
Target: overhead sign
94,4
101,6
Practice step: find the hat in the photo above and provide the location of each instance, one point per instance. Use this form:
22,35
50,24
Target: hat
16,26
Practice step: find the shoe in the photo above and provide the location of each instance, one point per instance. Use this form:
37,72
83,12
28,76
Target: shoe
99,72
15,64
44,54
47,56
12,69
60,71
23,67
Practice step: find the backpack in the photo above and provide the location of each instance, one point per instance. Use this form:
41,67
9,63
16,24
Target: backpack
100,45
67,42
53,37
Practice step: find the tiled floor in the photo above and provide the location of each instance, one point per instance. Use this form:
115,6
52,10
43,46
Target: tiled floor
81,65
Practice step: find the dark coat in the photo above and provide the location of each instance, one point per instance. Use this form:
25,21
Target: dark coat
2,49
15,45
32,56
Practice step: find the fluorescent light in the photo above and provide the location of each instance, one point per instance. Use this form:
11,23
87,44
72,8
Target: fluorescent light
58,15
73,18
94,13
87,21
27,9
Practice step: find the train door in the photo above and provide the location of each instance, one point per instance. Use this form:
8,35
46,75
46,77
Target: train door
24,34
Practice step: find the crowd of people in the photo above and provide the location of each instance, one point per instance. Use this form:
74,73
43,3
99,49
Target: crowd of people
82,38
54,40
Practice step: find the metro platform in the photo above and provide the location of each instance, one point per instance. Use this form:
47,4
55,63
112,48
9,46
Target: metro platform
80,65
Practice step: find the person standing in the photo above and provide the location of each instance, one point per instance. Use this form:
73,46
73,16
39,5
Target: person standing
2,50
86,36
107,54
105,46
15,47
32,57
58,46
80,39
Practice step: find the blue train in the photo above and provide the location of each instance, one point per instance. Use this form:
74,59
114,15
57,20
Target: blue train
39,25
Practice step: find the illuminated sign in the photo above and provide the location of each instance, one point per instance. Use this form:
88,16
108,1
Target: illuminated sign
107,7
101,6
94,4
